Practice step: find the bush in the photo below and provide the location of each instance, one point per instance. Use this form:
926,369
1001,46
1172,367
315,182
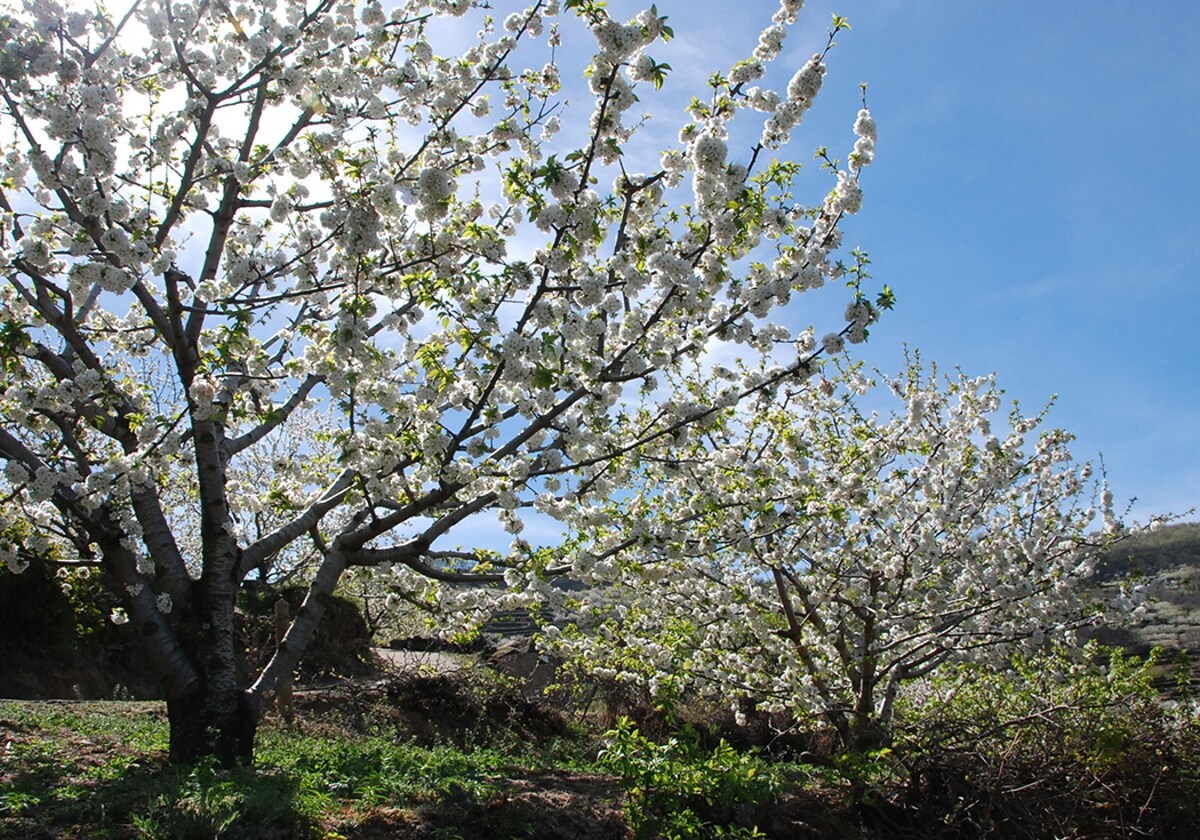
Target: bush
679,789
340,647
1053,746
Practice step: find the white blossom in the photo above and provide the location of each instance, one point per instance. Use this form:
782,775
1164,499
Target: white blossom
901,531
296,288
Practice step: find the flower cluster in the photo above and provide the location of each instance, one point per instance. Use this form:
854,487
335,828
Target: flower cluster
864,146
801,92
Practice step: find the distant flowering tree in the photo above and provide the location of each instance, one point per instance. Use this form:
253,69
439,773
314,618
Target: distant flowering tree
219,220
811,557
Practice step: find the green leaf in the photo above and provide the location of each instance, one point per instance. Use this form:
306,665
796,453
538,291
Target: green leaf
543,377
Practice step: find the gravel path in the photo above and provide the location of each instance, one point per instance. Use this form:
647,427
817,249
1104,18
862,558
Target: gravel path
422,660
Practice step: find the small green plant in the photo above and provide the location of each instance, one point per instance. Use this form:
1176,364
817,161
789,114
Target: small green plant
866,771
207,813
206,802
679,789
13,802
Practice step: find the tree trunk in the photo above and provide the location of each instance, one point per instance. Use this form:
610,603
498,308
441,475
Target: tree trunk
283,689
214,717
198,732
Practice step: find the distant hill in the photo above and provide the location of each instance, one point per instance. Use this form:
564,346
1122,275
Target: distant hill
1166,563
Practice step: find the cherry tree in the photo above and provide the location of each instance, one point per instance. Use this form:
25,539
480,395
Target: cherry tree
219,220
810,557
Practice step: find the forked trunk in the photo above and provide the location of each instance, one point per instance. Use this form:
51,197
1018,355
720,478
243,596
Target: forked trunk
218,715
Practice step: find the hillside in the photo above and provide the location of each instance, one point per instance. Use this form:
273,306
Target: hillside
1166,565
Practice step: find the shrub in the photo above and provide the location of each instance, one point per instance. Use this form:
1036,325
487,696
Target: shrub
1053,746
679,789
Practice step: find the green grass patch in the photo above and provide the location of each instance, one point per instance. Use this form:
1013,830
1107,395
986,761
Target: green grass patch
99,770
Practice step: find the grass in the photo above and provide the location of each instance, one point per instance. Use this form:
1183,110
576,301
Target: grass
1099,757
99,770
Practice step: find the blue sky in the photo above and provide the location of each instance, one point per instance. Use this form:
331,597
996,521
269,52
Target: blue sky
1033,202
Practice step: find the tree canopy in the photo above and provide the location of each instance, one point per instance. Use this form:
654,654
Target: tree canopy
812,555
281,280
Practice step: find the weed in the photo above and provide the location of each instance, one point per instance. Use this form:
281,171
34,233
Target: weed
678,789
206,802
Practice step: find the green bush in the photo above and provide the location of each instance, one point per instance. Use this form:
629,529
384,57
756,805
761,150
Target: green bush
1054,745
52,604
679,789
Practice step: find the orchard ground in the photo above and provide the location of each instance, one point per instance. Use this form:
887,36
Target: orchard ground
422,750
416,753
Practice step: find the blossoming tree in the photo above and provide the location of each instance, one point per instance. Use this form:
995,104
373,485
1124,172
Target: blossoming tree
809,557
217,218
